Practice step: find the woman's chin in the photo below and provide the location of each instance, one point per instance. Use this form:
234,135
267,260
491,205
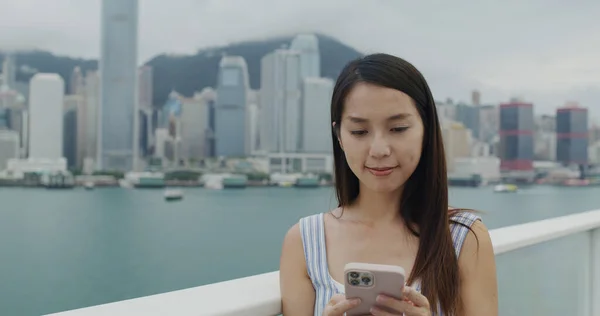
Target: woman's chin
382,187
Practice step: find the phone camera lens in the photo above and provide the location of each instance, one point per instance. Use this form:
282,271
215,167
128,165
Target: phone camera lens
366,280
354,282
354,275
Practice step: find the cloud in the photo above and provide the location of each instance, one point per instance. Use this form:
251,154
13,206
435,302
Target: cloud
542,49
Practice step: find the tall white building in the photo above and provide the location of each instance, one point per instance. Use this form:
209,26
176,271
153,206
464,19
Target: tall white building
310,60
280,99
9,147
46,100
315,115
118,87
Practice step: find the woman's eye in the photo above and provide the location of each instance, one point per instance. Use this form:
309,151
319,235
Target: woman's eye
399,129
358,133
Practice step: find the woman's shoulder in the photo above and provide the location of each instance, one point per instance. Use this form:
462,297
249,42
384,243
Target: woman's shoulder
463,217
311,217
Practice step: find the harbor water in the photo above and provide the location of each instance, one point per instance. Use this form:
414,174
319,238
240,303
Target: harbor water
62,250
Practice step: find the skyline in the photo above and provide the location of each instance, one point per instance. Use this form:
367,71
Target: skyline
545,54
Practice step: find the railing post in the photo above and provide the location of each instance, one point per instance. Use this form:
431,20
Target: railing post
595,273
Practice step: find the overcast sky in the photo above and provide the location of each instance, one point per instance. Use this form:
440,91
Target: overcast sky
546,51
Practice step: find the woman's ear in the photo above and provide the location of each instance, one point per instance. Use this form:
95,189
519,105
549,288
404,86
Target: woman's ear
336,129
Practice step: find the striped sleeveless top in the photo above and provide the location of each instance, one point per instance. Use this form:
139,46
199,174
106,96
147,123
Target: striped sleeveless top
312,229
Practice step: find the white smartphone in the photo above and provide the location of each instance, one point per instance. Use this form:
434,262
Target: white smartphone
366,281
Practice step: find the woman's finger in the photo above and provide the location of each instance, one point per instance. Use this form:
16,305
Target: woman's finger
417,298
399,306
340,305
336,299
405,310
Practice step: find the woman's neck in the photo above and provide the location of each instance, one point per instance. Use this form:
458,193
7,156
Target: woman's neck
374,207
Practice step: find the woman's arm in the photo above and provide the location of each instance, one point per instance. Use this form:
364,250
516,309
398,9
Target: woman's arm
297,292
479,288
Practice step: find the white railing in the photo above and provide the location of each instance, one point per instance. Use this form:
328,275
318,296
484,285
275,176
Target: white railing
259,295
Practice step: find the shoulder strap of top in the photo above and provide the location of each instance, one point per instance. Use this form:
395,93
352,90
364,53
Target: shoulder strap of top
313,241
460,227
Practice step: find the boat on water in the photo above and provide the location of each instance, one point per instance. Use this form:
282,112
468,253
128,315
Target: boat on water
237,181
299,180
58,180
173,195
474,180
125,184
146,180
214,184
89,185
506,188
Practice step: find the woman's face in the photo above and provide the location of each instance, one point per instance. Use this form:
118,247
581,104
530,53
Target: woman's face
381,134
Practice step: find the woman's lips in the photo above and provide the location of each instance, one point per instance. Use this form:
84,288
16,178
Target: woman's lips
380,171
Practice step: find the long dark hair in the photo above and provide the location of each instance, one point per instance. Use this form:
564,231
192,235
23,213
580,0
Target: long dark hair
424,201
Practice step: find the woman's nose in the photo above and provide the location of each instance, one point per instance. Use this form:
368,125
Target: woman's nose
380,147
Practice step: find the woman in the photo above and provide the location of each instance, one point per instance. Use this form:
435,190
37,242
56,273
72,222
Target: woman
391,184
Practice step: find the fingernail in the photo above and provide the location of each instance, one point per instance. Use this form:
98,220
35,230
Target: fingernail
381,298
355,301
374,311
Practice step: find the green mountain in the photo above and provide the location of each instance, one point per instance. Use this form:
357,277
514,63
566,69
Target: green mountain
189,73
30,62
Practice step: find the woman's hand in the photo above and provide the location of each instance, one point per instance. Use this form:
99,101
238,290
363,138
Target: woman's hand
413,304
338,305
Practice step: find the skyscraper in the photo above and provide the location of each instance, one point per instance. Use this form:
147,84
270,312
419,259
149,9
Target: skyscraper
46,102
92,113
231,107
209,96
280,101
9,71
310,60
457,142
76,83
70,147
315,117
469,116
145,74
572,135
475,97
9,147
118,89
194,121
489,120
145,128
516,140
4,118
